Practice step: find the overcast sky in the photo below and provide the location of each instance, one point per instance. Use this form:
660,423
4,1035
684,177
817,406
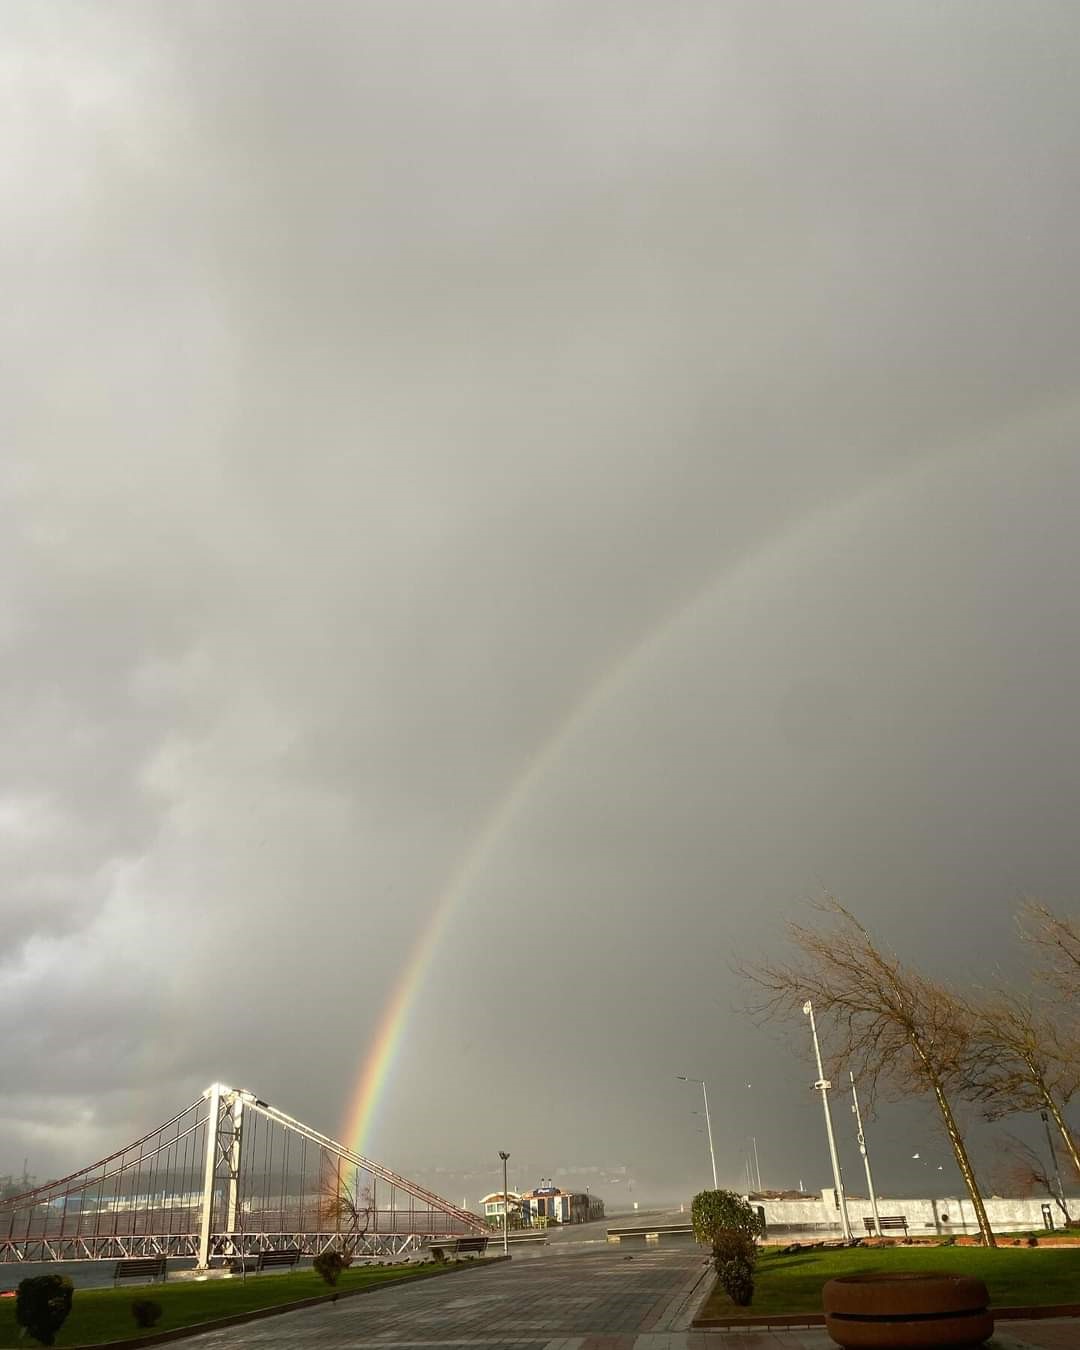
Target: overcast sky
660,417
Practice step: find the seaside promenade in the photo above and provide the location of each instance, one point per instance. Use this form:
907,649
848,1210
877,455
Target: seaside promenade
606,1299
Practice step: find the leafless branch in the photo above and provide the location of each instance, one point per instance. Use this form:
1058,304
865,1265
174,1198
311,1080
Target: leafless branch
901,1032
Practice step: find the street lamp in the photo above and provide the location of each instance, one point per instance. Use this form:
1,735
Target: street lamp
1054,1164
862,1149
757,1162
506,1206
708,1122
822,1085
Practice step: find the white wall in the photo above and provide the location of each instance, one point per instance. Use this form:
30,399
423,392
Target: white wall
924,1216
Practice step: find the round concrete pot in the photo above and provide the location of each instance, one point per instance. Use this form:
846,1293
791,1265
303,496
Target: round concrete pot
907,1311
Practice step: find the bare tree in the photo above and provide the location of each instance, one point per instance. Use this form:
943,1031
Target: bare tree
345,1207
1020,1170
1055,940
901,1032
1021,1060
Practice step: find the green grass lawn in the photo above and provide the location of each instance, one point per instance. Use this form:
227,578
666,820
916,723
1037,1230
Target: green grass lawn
105,1314
1014,1276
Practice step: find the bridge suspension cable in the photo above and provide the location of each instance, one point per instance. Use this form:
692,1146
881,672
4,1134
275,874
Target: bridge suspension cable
227,1177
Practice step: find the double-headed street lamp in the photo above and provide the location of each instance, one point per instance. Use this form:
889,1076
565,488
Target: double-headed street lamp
506,1206
823,1085
708,1122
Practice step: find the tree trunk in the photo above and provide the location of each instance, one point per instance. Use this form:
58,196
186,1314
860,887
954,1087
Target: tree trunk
956,1139
1063,1126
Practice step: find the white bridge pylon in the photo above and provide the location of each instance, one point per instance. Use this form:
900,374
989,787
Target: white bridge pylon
227,1177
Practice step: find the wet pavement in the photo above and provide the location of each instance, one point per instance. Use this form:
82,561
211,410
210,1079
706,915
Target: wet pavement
584,1300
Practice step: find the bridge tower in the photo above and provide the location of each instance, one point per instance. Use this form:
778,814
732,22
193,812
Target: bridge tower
224,1140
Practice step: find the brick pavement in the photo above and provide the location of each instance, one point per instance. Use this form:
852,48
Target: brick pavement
596,1300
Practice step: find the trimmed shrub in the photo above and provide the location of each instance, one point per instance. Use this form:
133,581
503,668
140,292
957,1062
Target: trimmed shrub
328,1266
42,1304
145,1312
731,1225
734,1255
737,1278
715,1212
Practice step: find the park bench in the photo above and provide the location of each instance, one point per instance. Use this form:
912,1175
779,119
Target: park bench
457,1247
141,1268
270,1260
888,1223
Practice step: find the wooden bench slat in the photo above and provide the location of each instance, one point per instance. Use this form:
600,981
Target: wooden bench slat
278,1258
455,1246
887,1222
134,1267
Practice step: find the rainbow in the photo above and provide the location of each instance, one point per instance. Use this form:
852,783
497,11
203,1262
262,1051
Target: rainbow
371,1085
377,1067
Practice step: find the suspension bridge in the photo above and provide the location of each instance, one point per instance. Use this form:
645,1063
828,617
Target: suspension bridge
228,1177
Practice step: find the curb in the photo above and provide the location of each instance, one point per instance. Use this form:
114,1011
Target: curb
775,1320
257,1314
1028,1313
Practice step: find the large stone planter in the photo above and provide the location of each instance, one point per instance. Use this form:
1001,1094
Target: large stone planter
907,1311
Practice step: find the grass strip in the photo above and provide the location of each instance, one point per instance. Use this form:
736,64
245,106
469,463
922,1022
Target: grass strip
1015,1276
99,1316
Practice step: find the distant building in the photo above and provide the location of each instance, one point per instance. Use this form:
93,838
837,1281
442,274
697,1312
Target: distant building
11,1185
494,1204
549,1204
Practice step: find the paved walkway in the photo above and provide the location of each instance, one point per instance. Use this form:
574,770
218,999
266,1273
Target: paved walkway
603,1300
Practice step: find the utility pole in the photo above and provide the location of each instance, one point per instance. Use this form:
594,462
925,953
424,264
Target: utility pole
862,1150
506,1207
823,1085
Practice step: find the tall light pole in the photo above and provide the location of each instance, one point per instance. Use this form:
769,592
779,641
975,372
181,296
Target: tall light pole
823,1085
708,1121
863,1151
1054,1165
757,1163
506,1206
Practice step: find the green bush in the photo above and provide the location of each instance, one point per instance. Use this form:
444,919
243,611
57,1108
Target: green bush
737,1278
42,1304
145,1312
329,1265
731,1225
716,1212
732,1246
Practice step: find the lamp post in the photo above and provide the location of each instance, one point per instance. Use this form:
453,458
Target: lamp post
822,1085
708,1121
1054,1165
506,1206
862,1149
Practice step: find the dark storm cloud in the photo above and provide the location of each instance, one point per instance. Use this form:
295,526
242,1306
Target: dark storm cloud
378,379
